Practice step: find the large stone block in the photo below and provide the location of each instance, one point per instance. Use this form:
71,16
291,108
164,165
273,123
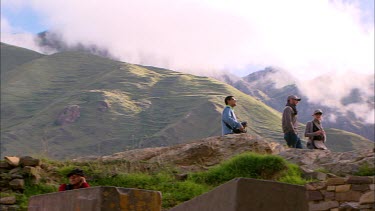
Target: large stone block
360,180
323,205
367,198
98,199
348,196
13,161
244,194
29,161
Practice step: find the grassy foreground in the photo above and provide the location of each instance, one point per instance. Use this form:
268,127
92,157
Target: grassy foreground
174,190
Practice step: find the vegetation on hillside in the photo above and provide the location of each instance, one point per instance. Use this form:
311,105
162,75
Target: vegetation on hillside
174,190
145,106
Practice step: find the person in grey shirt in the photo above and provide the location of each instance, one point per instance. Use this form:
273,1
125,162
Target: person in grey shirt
289,122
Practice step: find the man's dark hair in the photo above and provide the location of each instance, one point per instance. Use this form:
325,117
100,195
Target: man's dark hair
227,99
77,171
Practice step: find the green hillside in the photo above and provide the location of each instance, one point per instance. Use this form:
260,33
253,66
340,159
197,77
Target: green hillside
147,107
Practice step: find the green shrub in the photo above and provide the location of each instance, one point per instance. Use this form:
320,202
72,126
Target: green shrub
33,189
365,170
249,165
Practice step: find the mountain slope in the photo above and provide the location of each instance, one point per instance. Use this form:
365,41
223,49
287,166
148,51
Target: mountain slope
117,106
12,56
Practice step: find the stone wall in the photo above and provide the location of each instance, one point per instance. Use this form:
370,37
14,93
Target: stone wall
13,172
342,193
98,199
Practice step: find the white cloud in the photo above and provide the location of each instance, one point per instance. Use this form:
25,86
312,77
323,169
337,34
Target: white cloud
306,37
331,89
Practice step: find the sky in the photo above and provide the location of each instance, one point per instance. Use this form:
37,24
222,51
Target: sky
308,38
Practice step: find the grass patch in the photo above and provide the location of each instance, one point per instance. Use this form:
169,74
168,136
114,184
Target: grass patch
250,165
174,192
293,175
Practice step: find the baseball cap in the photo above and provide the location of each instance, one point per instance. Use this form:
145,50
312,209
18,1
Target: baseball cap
318,111
294,97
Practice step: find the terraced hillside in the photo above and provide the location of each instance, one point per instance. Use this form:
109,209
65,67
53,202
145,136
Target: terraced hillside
117,106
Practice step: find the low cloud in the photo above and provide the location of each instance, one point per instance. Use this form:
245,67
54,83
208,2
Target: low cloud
309,39
345,92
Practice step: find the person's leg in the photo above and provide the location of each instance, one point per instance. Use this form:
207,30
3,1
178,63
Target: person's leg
290,139
298,143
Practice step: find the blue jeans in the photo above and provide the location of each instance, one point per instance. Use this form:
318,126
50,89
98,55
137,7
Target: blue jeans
293,140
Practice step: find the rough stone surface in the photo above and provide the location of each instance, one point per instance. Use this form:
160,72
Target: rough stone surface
244,194
352,206
17,184
97,199
4,164
314,195
324,205
13,161
367,198
201,154
8,200
348,196
29,161
331,188
336,181
315,185
362,187
359,180
342,188
329,195
338,163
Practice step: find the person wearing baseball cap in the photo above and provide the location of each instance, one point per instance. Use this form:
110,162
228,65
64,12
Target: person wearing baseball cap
315,132
76,180
289,122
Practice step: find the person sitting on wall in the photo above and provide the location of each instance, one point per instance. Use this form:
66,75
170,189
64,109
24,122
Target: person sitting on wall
76,180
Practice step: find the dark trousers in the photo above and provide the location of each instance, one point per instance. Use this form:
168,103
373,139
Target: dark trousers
293,140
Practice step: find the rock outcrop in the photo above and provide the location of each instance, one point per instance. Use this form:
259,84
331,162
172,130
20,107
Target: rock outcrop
203,153
200,154
339,163
69,115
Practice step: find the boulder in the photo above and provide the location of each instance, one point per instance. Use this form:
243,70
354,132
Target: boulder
200,154
17,184
13,161
29,161
69,115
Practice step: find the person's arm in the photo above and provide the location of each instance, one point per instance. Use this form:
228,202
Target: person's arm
227,118
83,183
287,119
308,131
